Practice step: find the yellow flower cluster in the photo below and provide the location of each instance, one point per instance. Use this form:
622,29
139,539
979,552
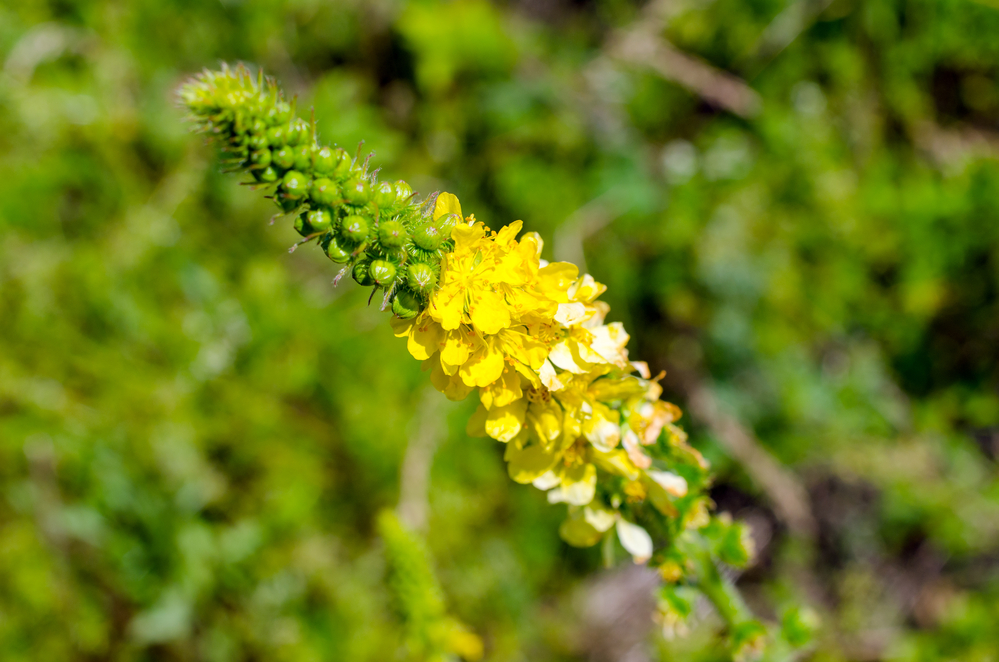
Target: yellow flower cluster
554,380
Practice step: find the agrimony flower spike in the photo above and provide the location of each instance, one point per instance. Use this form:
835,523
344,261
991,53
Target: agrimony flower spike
579,419
431,634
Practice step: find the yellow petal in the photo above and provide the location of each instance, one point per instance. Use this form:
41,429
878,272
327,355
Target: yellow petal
447,203
508,233
448,307
527,464
546,420
617,462
424,338
579,485
458,346
483,367
579,533
504,423
556,278
450,386
488,311
476,426
401,327
503,391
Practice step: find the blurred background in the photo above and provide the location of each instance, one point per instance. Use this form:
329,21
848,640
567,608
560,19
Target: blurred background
795,204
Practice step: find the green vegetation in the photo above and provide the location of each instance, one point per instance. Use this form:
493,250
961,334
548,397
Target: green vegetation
197,432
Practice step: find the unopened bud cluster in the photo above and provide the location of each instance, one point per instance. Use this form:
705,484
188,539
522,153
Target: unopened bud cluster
377,230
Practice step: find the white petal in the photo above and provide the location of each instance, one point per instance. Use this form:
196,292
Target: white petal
569,314
561,356
675,485
548,377
635,539
546,481
599,518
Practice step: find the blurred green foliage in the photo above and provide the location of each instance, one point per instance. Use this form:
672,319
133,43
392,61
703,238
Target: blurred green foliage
197,431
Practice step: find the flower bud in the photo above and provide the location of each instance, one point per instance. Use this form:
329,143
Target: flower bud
283,158
354,229
403,192
324,161
384,196
324,192
276,136
260,158
317,220
405,305
257,141
357,191
294,185
303,157
361,274
297,132
446,223
391,234
427,236
421,277
334,250
383,273
279,113
266,176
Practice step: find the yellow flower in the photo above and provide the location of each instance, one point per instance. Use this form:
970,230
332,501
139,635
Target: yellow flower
554,380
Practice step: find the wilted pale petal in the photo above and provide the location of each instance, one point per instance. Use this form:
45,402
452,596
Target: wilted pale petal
562,357
548,376
569,314
669,481
635,539
547,480
599,518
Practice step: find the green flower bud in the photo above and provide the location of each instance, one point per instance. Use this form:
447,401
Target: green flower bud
343,162
324,192
391,234
294,185
383,273
319,220
276,136
324,161
297,132
427,236
267,176
303,157
357,191
361,274
279,113
403,192
285,203
384,196
421,277
334,250
406,305
354,229
260,158
283,158
257,141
